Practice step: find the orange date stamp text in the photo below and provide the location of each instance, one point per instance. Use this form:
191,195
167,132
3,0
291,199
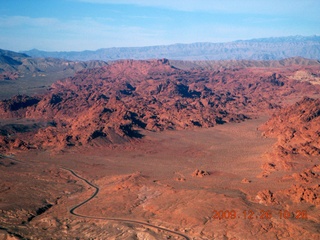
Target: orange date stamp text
259,214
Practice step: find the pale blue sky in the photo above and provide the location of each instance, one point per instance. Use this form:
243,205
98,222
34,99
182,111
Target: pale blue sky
64,25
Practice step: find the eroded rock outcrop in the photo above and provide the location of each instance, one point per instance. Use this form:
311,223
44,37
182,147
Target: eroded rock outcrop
297,128
300,193
115,102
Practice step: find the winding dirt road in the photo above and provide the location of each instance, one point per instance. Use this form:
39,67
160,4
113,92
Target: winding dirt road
73,209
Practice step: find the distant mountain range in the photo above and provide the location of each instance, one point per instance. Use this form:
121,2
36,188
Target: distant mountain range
255,49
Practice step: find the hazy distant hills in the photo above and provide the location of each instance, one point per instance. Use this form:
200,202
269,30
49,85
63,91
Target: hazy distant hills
255,49
231,64
22,74
17,62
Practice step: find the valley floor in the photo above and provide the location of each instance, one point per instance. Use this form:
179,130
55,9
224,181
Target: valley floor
152,189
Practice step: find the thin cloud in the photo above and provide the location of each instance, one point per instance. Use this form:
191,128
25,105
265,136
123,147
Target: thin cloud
13,21
77,34
227,6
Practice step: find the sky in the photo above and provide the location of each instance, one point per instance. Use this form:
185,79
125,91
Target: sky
76,25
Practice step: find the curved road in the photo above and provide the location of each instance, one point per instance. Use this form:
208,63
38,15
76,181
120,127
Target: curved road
72,210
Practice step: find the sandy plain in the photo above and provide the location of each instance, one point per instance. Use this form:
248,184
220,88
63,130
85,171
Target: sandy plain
150,190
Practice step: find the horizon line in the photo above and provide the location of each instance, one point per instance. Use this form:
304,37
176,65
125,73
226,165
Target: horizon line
172,44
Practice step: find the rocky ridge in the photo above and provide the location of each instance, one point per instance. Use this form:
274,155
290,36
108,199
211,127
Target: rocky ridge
297,128
114,103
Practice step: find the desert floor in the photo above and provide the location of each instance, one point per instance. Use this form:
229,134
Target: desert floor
151,190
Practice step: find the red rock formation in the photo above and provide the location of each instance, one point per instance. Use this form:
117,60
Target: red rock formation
307,176
297,128
9,75
200,173
299,193
16,107
115,102
266,197
245,180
